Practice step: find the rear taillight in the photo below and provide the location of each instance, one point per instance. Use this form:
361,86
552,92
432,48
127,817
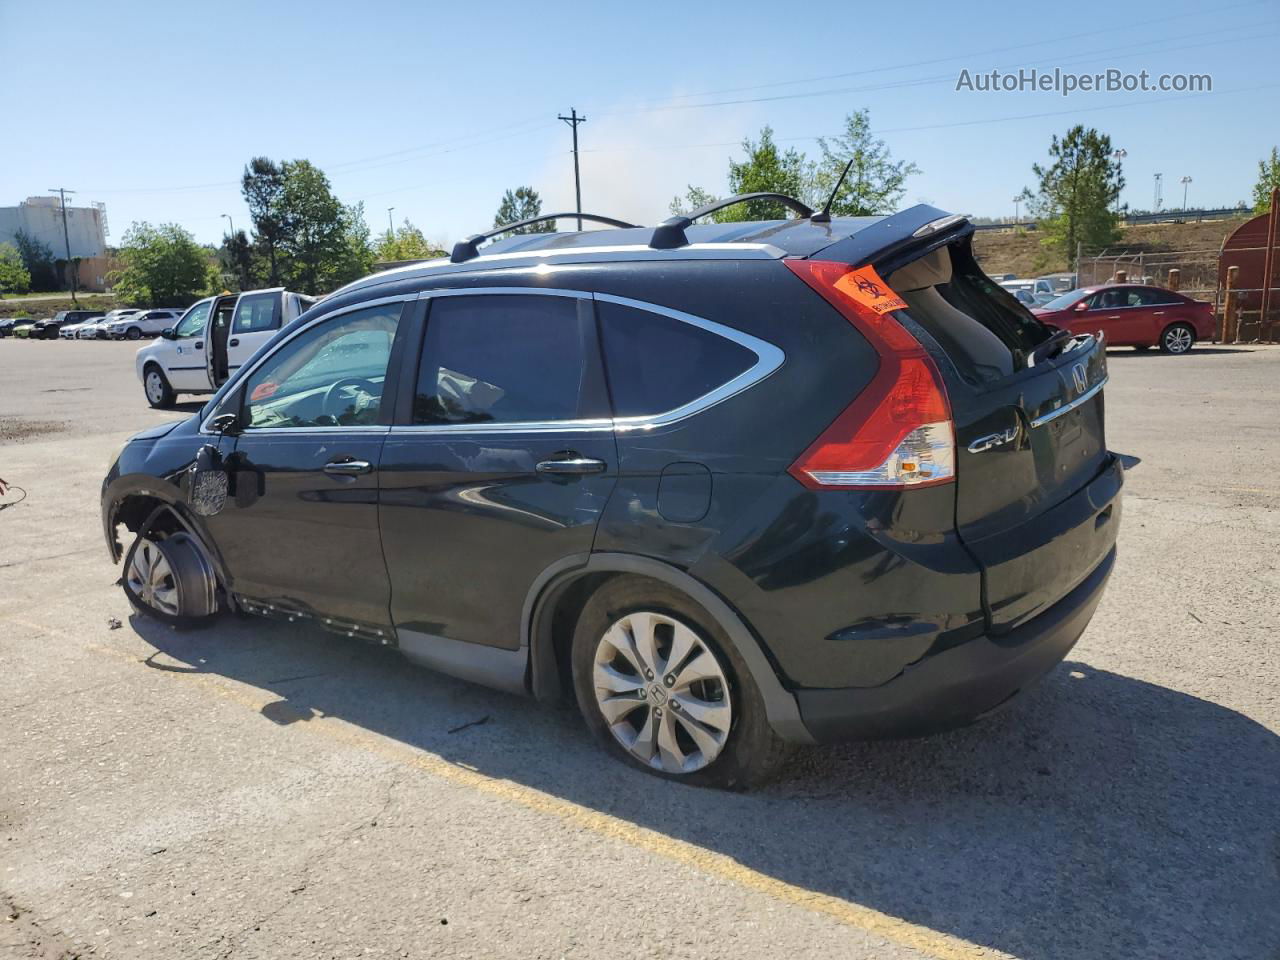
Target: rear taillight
898,432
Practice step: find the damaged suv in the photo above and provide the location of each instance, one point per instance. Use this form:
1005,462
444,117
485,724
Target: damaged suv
734,486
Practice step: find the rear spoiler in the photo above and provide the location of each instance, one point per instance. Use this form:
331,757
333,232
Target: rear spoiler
918,226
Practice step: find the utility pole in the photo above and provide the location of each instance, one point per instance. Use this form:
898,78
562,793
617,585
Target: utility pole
573,120
1016,202
391,230
1158,201
1118,156
1185,181
66,237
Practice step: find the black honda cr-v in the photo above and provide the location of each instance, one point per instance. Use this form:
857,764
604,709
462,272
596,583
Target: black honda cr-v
735,485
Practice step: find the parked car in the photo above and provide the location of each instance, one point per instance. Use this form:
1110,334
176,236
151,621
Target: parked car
1056,284
95,328
212,340
8,323
148,323
735,486
1133,315
23,329
48,328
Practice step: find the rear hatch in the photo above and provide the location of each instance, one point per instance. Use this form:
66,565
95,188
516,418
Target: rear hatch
1036,489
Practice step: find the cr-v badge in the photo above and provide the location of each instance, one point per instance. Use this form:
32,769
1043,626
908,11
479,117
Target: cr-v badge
994,440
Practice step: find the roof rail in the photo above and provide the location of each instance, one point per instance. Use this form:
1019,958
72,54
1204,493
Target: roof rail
670,233
469,248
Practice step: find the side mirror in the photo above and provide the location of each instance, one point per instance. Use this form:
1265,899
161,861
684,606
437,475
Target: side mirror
225,424
1081,307
168,333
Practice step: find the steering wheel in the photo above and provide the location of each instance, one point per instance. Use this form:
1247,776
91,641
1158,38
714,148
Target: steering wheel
331,394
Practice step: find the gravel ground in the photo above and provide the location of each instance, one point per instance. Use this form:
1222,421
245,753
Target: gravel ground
262,790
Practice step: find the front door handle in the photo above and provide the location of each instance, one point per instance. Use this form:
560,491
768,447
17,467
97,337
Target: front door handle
199,344
571,465
233,342
347,468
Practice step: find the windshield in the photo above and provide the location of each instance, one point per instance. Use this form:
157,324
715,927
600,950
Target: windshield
1065,300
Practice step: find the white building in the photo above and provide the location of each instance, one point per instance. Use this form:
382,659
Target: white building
41,218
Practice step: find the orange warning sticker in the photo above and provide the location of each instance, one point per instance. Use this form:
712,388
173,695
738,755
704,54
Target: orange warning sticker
865,286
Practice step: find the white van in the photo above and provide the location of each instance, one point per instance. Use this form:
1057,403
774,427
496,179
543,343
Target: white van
211,341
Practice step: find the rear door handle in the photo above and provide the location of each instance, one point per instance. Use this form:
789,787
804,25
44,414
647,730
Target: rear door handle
347,468
199,344
233,342
571,465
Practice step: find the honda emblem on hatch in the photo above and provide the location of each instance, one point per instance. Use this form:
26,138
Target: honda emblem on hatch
1081,377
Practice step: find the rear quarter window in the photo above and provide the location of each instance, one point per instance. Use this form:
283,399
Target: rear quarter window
656,363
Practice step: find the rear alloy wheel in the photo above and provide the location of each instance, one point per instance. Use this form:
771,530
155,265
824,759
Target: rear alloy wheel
133,333
156,386
662,691
170,579
1177,339
662,688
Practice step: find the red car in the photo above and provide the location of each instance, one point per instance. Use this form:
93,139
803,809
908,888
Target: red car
1132,315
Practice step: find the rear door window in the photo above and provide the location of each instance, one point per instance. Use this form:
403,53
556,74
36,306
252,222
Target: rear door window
508,359
257,313
656,363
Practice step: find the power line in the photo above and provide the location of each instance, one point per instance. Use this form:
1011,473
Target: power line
1057,40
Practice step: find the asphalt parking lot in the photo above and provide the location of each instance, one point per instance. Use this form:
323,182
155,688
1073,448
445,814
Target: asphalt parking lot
257,789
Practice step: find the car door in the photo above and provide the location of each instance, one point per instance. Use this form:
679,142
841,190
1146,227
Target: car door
1119,313
497,469
256,320
300,526
184,360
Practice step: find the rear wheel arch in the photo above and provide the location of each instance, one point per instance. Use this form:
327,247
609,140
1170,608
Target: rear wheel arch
557,600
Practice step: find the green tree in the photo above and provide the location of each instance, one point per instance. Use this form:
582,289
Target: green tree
14,277
765,169
407,243
522,203
263,188
39,261
694,197
1077,191
314,236
1268,180
876,182
356,260
235,256
163,266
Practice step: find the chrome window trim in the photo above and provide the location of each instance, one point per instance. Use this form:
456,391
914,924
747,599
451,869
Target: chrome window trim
1083,398
243,372
768,359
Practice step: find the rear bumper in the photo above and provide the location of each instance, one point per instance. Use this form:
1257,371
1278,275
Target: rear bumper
956,686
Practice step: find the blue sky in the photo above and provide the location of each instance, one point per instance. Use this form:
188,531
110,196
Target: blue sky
435,109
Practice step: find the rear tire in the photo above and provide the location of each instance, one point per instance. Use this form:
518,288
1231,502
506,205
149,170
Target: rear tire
698,716
156,386
169,579
1177,338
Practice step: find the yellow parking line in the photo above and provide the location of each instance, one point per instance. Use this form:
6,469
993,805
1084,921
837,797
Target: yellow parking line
894,929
